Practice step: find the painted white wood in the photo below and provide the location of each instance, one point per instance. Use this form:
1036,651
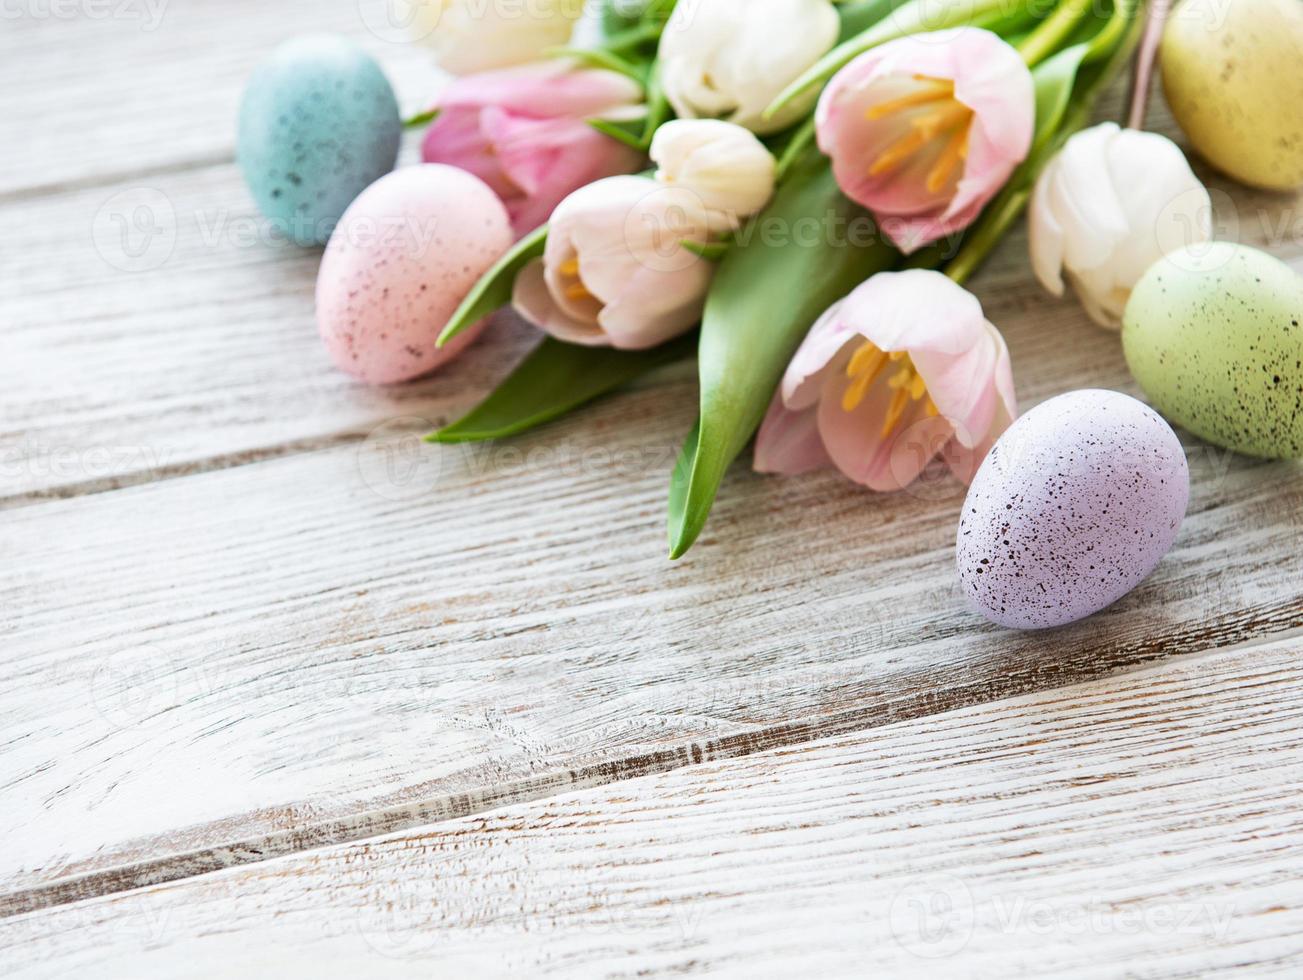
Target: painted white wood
104,91
1143,825
304,629
234,655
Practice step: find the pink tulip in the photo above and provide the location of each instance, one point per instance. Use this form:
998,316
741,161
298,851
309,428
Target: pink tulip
904,368
924,130
614,272
524,132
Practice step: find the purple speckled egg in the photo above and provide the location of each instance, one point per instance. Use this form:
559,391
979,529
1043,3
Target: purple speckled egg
401,259
1073,507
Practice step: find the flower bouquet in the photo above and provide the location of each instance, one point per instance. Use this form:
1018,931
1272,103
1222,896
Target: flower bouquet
795,190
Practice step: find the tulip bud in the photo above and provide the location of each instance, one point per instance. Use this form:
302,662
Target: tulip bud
614,271
723,164
524,131
721,59
478,35
1106,208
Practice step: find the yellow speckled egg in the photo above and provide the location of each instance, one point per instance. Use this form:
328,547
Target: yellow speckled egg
1233,75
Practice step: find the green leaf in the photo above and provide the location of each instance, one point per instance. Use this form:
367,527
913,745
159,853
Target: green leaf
710,251
494,287
618,131
555,378
421,118
599,58
768,290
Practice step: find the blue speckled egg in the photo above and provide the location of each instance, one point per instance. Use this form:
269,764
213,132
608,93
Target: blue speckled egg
1074,505
318,124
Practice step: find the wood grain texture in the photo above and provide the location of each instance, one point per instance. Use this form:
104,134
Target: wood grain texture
294,627
254,660
1143,825
127,90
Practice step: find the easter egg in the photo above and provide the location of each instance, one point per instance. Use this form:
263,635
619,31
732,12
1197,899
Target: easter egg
318,123
401,260
1214,335
1231,76
1073,506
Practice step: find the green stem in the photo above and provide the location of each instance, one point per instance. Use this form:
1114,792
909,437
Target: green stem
1004,211
1053,31
796,145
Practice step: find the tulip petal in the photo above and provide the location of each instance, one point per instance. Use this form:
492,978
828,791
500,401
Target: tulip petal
544,89
532,299
789,442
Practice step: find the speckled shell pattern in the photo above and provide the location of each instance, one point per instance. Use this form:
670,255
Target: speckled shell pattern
1215,339
1075,504
405,254
318,123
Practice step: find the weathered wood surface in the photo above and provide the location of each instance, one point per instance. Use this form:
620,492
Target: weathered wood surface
1143,825
293,627
102,91
227,656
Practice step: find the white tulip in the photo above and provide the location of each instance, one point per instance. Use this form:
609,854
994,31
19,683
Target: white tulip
479,35
729,60
724,165
614,272
1109,205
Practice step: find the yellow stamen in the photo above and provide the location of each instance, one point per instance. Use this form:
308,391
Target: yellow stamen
930,409
570,267
894,411
950,119
897,153
578,291
956,150
933,90
863,367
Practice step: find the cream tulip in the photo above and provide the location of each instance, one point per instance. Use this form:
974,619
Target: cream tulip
724,165
725,60
1109,205
480,35
615,272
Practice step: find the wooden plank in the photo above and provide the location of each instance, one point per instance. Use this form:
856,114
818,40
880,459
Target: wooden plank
206,670
196,349
1145,825
111,90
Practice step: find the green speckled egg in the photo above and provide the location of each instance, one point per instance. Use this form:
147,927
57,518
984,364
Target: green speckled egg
1214,335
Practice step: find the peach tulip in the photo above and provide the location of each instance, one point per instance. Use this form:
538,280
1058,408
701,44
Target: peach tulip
904,368
924,130
614,271
524,132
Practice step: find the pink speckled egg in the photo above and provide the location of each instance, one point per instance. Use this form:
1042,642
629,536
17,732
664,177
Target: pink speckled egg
1073,506
401,259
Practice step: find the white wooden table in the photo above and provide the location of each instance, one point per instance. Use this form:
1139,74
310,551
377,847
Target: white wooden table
272,704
